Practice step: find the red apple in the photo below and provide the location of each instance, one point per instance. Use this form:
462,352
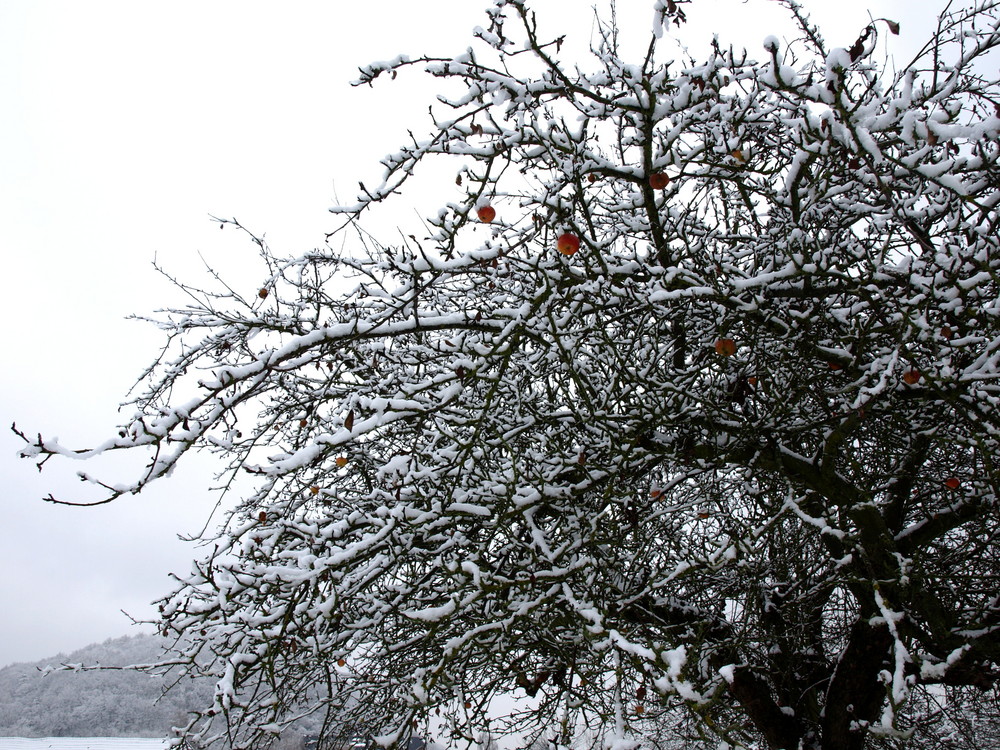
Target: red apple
952,483
725,347
911,377
486,213
568,244
262,293
658,180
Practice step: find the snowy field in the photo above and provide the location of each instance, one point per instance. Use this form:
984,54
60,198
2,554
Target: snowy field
82,743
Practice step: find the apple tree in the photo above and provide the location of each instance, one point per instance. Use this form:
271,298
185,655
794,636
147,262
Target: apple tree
680,419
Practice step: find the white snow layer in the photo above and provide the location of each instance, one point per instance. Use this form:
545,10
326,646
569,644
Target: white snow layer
83,743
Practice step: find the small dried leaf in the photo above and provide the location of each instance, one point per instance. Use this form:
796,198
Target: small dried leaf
857,50
349,422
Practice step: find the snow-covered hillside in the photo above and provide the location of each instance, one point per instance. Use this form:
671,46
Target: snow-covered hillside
82,743
111,703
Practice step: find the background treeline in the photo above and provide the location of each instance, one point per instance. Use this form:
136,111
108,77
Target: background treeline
115,703
36,701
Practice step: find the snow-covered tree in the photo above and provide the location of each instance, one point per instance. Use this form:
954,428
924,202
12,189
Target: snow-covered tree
686,408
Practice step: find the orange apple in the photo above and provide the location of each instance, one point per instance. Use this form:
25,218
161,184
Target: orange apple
725,347
952,483
911,377
314,490
341,462
658,180
568,244
486,213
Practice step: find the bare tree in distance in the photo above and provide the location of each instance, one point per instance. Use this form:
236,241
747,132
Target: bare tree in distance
683,415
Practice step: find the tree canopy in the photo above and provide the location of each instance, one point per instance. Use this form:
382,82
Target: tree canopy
681,422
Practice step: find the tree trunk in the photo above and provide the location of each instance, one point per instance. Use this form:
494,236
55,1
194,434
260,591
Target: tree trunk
855,692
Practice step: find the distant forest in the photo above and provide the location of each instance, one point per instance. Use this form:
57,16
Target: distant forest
112,703
117,703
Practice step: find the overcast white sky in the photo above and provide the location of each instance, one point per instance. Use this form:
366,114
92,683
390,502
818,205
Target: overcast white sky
123,125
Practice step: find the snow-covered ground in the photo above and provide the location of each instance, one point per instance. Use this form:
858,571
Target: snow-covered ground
82,743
